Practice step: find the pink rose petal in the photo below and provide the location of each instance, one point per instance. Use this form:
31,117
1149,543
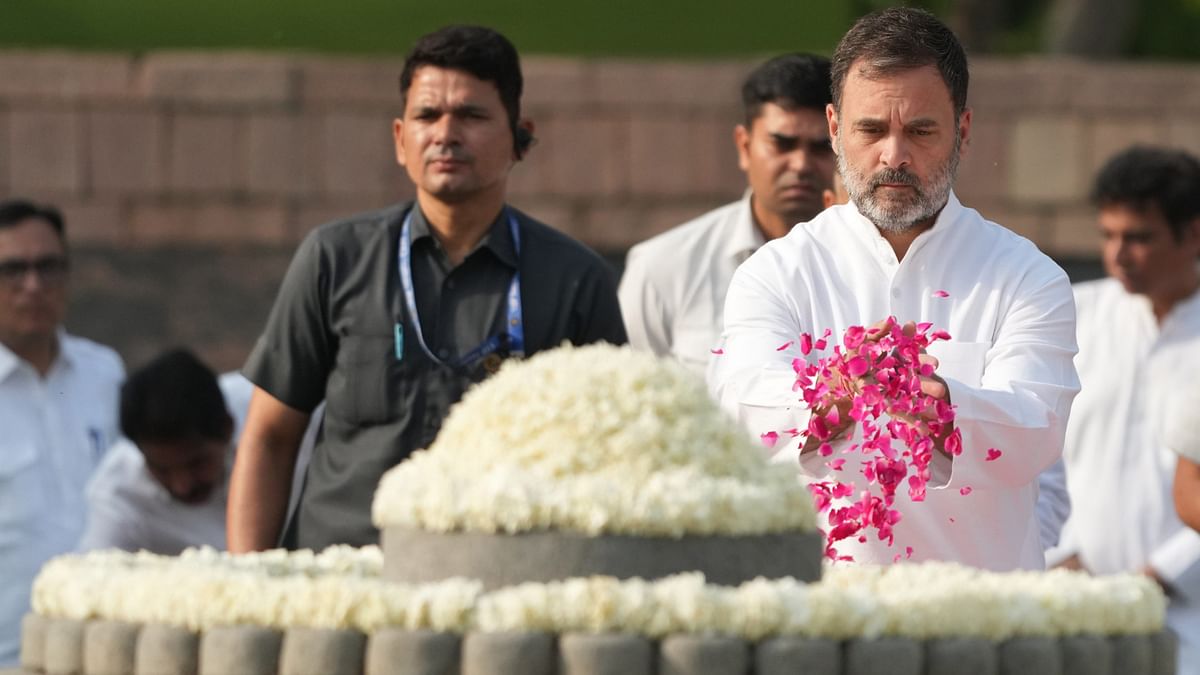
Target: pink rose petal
769,439
718,352
806,344
941,294
964,491
784,346
993,454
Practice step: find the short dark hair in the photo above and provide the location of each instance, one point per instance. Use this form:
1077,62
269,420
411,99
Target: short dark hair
898,39
480,51
790,81
16,211
174,397
1144,177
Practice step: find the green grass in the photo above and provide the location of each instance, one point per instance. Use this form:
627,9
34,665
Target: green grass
657,28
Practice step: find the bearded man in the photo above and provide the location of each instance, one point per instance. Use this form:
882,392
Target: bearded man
905,247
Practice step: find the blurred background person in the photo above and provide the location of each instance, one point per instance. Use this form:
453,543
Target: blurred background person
58,408
1135,330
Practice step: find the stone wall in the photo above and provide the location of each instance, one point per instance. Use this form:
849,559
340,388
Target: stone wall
187,179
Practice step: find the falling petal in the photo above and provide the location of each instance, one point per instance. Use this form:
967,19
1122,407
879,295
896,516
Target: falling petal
837,464
784,346
908,550
806,344
964,491
825,450
718,352
858,366
993,454
952,520
941,294
769,439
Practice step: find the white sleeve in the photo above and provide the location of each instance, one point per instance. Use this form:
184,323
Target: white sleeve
1181,430
1053,504
645,313
1177,562
1025,393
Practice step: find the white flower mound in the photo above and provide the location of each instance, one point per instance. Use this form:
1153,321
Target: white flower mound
594,440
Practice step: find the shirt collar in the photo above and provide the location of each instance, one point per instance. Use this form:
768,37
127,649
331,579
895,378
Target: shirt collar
945,220
498,238
746,238
10,362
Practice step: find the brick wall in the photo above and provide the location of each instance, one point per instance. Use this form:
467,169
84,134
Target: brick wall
187,179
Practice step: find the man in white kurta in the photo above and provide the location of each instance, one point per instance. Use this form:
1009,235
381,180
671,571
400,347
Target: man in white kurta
906,248
1008,365
58,409
1139,334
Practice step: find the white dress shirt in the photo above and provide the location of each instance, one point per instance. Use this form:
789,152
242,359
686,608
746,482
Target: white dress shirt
672,292
1008,366
53,432
129,509
1119,471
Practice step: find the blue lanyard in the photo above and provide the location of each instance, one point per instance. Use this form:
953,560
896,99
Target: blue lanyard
514,325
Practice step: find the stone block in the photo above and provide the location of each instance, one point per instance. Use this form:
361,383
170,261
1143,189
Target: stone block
210,222
689,654
394,651
100,220
240,650
46,151
1131,653
220,79
110,648
1183,132
64,647
950,656
125,150
53,75
358,155
1135,87
605,654
557,213
33,641
203,153
1048,157
885,656
561,84
1165,649
275,159
1109,135
1008,85
315,651
661,85
788,655
1073,232
579,156
509,654
167,650
5,155
1087,655
659,155
983,171
342,82
1025,655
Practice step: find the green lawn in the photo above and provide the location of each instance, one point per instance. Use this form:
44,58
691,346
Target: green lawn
693,28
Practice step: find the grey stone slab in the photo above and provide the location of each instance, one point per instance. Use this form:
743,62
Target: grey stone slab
110,648
605,654
798,656
885,656
956,655
1087,655
240,650
167,650
1028,655
316,651
509,654
394,651
703,655
33,641
414,556
1131,653
64,647
1165,648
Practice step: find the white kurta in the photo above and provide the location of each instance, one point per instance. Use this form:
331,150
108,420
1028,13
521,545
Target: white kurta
672,292
1009,369
53,432
1119,470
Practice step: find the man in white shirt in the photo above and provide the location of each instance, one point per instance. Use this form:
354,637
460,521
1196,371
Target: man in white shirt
673,288
1139,330
1182,436
164,486
58,408
905,247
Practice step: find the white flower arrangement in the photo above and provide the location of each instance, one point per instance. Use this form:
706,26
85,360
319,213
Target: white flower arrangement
595,439
204,589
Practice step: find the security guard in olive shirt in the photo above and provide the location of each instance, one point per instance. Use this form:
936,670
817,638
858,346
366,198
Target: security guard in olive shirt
390,316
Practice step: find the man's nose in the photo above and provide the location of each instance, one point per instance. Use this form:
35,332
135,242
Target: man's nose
894,152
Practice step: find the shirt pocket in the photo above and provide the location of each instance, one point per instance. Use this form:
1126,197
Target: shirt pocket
367,380
962,361
21,496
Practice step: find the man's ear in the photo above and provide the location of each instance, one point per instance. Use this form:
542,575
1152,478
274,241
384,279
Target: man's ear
964,130
741,141
524,138
831,117
398,139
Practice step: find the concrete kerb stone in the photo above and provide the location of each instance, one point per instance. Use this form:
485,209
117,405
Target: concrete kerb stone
64,647
317,651
703,655
240,650
516,653
396,651
605,654
110,647
167,650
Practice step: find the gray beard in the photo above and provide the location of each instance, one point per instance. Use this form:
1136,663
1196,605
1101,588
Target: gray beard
899,217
